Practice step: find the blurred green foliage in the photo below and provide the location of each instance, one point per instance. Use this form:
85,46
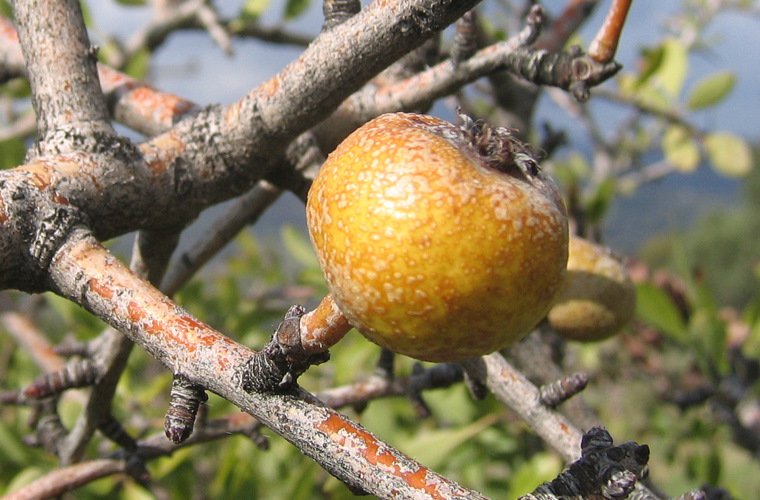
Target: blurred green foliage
723,248
477,443
480,444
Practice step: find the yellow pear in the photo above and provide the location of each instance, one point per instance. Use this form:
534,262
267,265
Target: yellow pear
436,241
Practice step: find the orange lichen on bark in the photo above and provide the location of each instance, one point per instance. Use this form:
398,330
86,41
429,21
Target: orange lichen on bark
43,174
3,212
110,78
161,151
159,105
347,435
101,288
141,304
7,30
271,86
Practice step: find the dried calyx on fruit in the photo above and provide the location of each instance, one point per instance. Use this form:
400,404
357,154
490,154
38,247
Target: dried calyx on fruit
436,241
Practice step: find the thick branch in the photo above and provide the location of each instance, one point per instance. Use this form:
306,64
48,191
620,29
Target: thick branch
61,65
83,271
513,389
65,479
215,155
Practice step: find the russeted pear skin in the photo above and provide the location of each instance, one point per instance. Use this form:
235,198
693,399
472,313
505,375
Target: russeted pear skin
598,297
438,242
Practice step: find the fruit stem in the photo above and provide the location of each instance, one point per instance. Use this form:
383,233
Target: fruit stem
602,49
323,327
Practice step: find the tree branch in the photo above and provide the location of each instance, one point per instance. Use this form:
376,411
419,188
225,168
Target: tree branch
65,479
513,389
66,92
84,272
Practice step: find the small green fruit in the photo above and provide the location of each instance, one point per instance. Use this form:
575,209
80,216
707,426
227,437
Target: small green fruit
598,297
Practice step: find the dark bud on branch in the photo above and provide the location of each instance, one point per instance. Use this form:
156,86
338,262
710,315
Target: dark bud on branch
278,365
184,401
79,373
604,471
563,389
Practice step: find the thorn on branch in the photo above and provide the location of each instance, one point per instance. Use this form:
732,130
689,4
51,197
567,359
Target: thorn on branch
558,392
694,495
78,373
137,470
184,401
414,394
553,139
708,492
71,347
604,471
11,398
49,431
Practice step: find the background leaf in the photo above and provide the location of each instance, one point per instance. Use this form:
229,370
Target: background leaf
711,90
680,149
656,307
295,8
252,9
729,154
675,64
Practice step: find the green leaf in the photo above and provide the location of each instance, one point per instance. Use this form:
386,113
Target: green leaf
295,8
572,171
680,149
12,152
24,478
599,202
12,449
711,90
672,72
138,65
5,9
434,447
252,9
298,246
540,468
645,92
131,2
656,307
729,154
651,62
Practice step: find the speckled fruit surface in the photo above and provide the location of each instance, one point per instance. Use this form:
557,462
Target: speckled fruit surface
437,242
598,297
